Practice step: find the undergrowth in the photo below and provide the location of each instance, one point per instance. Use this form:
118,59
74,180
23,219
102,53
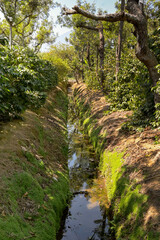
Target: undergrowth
24,81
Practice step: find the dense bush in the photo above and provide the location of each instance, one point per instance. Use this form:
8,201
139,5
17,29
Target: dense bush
154,41
133,88
132,91
60,57
24,80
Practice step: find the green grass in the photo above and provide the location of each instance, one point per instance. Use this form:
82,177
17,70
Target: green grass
34,197
109,166
42,217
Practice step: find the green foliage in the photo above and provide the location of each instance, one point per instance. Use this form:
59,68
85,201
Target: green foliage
133,92
26,22
133,88
24,80
93,134
60,56
91,79
85,45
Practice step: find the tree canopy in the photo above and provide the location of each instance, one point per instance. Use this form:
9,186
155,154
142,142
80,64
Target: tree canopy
132,90
26,22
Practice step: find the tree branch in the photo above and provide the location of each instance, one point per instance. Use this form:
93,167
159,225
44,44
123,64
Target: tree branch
27,16
5,14
27,23
15,6
81,25
115,17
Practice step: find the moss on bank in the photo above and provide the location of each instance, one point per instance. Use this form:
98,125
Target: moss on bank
128,203
34,183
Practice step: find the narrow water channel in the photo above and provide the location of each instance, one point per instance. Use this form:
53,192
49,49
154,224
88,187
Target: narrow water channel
86,216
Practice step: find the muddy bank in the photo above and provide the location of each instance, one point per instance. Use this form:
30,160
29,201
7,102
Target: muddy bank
129,163
33,174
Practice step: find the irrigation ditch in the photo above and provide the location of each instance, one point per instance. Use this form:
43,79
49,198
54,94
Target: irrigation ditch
128,163
86,216
111,172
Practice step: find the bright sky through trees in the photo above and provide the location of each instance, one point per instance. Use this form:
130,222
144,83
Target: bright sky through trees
107,5
62,32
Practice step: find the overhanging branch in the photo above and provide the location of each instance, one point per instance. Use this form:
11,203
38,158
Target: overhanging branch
115,17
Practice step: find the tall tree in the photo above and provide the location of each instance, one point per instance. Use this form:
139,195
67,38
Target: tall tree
90,34
119,45
22,16
100,50
136,17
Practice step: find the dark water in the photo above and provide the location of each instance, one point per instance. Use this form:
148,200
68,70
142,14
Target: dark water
86,217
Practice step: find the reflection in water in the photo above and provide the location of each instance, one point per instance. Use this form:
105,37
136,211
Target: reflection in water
86,217
83,222
98,192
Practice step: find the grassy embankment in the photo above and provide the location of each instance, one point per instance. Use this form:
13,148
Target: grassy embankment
128,203
34,176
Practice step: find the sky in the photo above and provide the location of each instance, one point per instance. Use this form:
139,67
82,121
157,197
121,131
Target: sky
63,32
107,5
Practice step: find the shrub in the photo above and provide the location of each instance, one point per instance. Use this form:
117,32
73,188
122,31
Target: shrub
24,80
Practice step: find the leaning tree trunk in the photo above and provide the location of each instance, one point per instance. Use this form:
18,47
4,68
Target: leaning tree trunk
143,52
136,17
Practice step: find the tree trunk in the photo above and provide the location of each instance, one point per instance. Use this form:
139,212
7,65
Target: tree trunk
135,16
143,53
97,62
10,37
82,62
88,55
76,76
119,46
101,55
99,29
